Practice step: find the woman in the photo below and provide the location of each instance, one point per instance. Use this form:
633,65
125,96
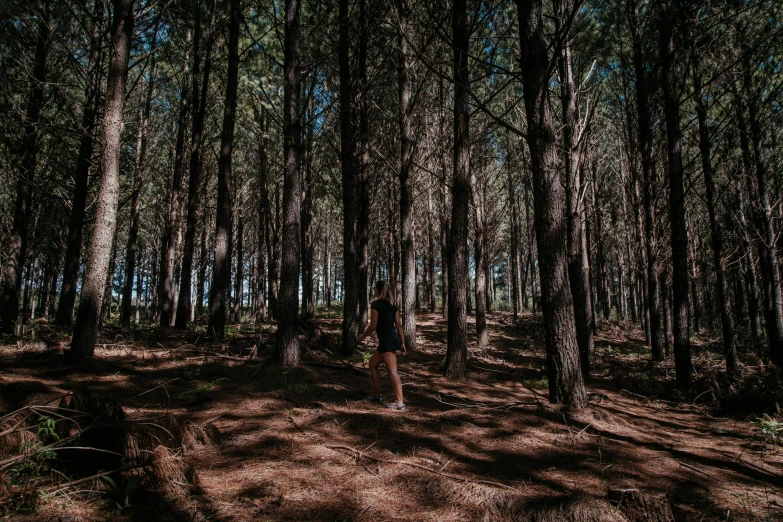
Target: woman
385,319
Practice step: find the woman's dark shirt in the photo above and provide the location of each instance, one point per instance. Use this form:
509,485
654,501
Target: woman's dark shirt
386,315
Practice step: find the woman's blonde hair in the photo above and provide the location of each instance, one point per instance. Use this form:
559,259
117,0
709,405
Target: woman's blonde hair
383,289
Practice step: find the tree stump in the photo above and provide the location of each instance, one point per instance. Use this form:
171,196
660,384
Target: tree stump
639,507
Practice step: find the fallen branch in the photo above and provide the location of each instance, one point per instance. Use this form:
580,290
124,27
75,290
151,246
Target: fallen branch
15,426
222,356
694,468
537,395
458,478
351,366
337,367
67,485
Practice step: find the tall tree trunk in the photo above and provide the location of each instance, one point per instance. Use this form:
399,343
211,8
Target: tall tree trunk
307,247
239,277
139,286
667,311
430,252
203,260
81,174
566,384
199,108
457,344
273,251
531,272
648,173
328,261
97,266
513,254
351,187
444,207
263,218
287,342
667,21
168,258
363,222
408,282
221,272
138,181
480,261
763,218
577,265
16,243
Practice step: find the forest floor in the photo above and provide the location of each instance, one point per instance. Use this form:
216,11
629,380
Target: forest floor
301,444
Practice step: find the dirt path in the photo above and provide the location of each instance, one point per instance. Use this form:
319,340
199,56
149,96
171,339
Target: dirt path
302,445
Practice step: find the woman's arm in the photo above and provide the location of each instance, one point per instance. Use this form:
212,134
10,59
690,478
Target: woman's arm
370,327
398,324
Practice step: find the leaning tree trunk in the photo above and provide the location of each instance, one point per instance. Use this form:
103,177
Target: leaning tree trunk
97,266
16,243
199,108
287,342
705,149
566,384
668,14
138,181
408,246
350,181
221,271
73,250
457,344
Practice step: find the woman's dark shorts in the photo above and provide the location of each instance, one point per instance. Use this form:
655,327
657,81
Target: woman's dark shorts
391,343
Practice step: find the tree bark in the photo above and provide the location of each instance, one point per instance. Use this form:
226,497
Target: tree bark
648,173
16,243
577,263
287,341
566,384
408,246
667,22
479,262
263,218
239,275
363,222
351,188
306,234
97,266
457,343
73,249
221,272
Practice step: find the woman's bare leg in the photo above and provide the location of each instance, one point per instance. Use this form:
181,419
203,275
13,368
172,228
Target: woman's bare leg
375,375
390,360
